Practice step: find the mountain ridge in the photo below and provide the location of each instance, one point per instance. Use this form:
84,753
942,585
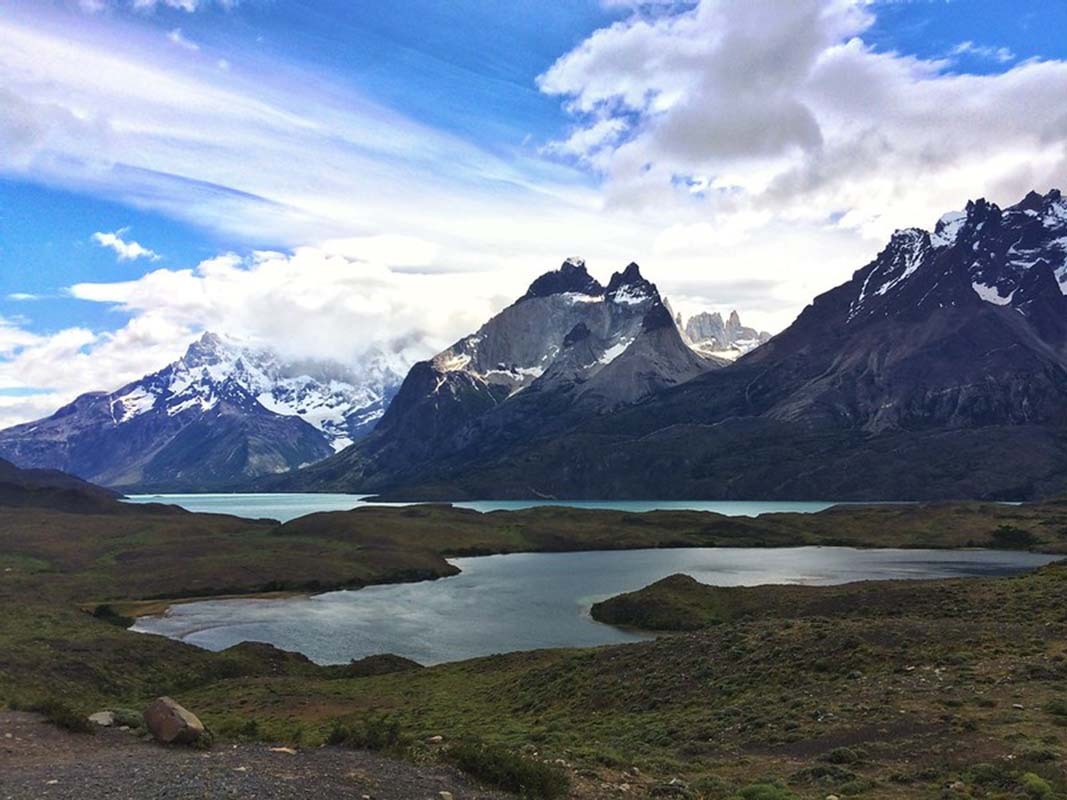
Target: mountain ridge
912,380
567,349
221,414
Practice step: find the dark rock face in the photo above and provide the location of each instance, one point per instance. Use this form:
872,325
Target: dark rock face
219,416
938,371
569,349
570,277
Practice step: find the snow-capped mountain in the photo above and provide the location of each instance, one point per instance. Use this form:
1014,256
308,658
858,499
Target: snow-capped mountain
342,402
938,371
223,412
566,323
709,334
569,347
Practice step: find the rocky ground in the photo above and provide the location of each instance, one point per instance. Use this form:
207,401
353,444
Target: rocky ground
38,760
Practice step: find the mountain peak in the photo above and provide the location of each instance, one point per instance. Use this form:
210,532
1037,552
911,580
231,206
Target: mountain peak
572,276
630,276
208,349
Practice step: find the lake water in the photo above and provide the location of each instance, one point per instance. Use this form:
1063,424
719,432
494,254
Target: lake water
284,507
537,600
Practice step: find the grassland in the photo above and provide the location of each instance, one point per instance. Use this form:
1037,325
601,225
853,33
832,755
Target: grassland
872,690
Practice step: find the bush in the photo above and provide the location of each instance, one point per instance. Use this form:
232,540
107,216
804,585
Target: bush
1010,537
766,791
506,770
373,734
62,715
108,614
844,755
823,773
130,717
1057,707
1035,786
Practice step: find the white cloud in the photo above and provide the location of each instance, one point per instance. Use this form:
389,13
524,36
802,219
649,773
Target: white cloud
181,5
784,107
1000,54
177,38
126,250
188,6
747,153
336,301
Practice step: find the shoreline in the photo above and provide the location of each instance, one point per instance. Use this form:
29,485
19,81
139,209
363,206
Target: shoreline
998,564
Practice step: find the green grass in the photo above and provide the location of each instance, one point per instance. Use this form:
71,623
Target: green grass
60,713
884,690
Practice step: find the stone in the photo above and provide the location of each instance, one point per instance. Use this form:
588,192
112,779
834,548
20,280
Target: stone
169,723
104,719
444,795
435,740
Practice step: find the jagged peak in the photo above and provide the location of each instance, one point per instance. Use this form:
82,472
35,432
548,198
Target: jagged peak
572,276
209,347
630,276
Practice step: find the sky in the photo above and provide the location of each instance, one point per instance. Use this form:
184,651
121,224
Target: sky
336,178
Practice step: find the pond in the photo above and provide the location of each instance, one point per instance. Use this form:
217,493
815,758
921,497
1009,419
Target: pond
535,600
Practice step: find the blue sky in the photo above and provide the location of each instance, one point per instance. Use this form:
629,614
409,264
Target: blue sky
410,166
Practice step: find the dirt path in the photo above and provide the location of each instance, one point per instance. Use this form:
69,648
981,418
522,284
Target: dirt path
38,760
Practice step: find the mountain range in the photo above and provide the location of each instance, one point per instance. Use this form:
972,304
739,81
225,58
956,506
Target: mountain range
568,350
939,370
223,414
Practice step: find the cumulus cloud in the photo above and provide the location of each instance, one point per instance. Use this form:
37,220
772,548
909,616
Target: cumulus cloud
784,106
125,250
335,301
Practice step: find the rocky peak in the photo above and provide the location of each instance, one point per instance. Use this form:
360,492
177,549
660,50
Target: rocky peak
710,334
983,252
631,276
631,288
572,276
208,349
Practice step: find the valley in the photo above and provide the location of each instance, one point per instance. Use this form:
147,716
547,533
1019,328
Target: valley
932,687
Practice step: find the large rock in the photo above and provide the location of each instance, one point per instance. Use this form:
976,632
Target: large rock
169,723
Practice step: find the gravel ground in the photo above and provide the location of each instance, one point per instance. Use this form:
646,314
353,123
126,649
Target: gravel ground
39,761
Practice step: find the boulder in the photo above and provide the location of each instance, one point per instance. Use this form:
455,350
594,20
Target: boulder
103,718
169,723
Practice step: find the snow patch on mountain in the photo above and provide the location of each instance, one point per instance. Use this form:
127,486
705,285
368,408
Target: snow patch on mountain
948,228
991,294
339,401
994,250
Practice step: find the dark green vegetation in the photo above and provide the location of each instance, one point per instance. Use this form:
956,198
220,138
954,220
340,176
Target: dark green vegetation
502,768
869,690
